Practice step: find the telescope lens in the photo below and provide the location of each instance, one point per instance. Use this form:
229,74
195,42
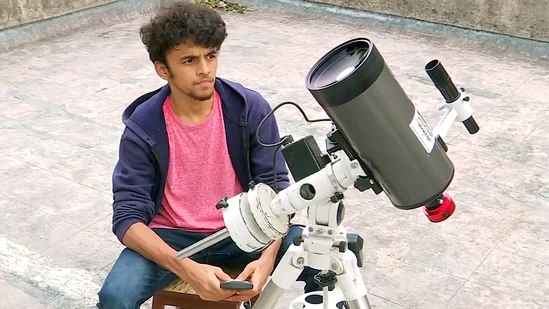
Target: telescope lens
345,72
340,64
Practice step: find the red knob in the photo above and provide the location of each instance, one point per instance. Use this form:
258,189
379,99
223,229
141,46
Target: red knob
444,210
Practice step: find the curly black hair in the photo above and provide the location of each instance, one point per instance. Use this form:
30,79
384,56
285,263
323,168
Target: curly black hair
179,23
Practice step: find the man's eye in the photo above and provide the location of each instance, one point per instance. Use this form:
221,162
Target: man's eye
187,61
212,56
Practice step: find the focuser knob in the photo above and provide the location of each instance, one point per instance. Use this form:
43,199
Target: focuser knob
440,209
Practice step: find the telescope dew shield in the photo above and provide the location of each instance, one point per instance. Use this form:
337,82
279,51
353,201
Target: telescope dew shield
358,91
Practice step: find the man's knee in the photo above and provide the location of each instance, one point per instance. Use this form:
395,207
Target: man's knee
111,298
294,232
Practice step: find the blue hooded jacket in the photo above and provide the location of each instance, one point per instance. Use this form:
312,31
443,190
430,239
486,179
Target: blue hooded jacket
140,174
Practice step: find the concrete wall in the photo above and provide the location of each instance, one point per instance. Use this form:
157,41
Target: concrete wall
17,16
523,18
17,12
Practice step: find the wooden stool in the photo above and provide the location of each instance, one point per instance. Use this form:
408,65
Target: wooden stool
182,295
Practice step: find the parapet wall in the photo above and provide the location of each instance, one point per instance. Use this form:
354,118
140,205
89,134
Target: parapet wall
18,12
523,18
25,21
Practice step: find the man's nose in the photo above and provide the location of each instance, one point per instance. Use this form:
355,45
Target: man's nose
203,66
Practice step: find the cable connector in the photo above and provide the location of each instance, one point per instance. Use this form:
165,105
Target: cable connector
287,140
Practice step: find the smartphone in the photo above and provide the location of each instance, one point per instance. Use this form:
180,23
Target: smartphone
237,285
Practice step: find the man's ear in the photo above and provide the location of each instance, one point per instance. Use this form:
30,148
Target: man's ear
162,70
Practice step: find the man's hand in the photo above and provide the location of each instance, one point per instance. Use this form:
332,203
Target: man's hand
257,272
205,280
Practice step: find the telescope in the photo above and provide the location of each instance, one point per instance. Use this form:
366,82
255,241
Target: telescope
378,140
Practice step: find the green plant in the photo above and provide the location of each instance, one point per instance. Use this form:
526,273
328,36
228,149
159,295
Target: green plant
224,5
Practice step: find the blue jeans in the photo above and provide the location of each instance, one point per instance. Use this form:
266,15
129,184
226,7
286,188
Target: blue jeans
134,279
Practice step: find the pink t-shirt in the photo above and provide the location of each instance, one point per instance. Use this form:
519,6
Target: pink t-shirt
200,172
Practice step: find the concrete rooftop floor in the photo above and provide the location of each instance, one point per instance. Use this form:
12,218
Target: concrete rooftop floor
62,100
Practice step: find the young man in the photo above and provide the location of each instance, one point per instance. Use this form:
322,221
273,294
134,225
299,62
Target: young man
186,146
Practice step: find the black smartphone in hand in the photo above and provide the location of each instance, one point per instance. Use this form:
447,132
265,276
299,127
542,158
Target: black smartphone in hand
237,285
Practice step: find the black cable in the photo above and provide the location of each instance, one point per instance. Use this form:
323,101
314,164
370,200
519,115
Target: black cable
275,174
284,139
257,137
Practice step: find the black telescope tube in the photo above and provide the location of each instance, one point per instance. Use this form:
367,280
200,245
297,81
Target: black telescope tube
448,89
372,115
442,81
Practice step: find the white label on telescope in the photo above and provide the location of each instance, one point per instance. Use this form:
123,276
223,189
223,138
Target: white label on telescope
423,131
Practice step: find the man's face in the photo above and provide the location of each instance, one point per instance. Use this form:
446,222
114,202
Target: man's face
191,70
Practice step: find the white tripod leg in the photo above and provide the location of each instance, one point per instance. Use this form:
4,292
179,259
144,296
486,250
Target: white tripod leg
351,284
286,273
